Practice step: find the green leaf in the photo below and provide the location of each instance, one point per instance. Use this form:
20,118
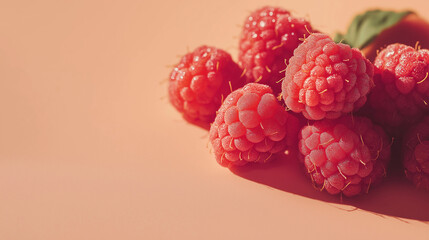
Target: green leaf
366,27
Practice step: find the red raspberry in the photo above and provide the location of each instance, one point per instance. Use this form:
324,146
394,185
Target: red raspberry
325,79
416,154
201,80
345,155
267,42
250,126
401,93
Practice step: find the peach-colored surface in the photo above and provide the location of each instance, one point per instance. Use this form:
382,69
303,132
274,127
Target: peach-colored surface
91,149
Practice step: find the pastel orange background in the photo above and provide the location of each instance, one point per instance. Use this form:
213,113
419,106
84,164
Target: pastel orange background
90,147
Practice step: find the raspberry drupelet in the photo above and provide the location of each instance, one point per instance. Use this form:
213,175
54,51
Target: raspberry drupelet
401,94
267,41
416,154
325,79
200,81
345,155
251,126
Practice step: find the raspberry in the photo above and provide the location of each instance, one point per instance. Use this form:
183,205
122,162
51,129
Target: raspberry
408,30
325,79
201,80
416,154
401,93
346,155
250,126
267,41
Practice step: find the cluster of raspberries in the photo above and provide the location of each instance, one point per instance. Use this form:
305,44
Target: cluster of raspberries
294,87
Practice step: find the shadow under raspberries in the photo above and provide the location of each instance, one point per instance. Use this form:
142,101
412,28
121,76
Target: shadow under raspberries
395,196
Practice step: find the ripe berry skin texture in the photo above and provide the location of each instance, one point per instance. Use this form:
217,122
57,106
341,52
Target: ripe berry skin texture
267,41
200,81
251,126
416,154
401,94
325,79
346,155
